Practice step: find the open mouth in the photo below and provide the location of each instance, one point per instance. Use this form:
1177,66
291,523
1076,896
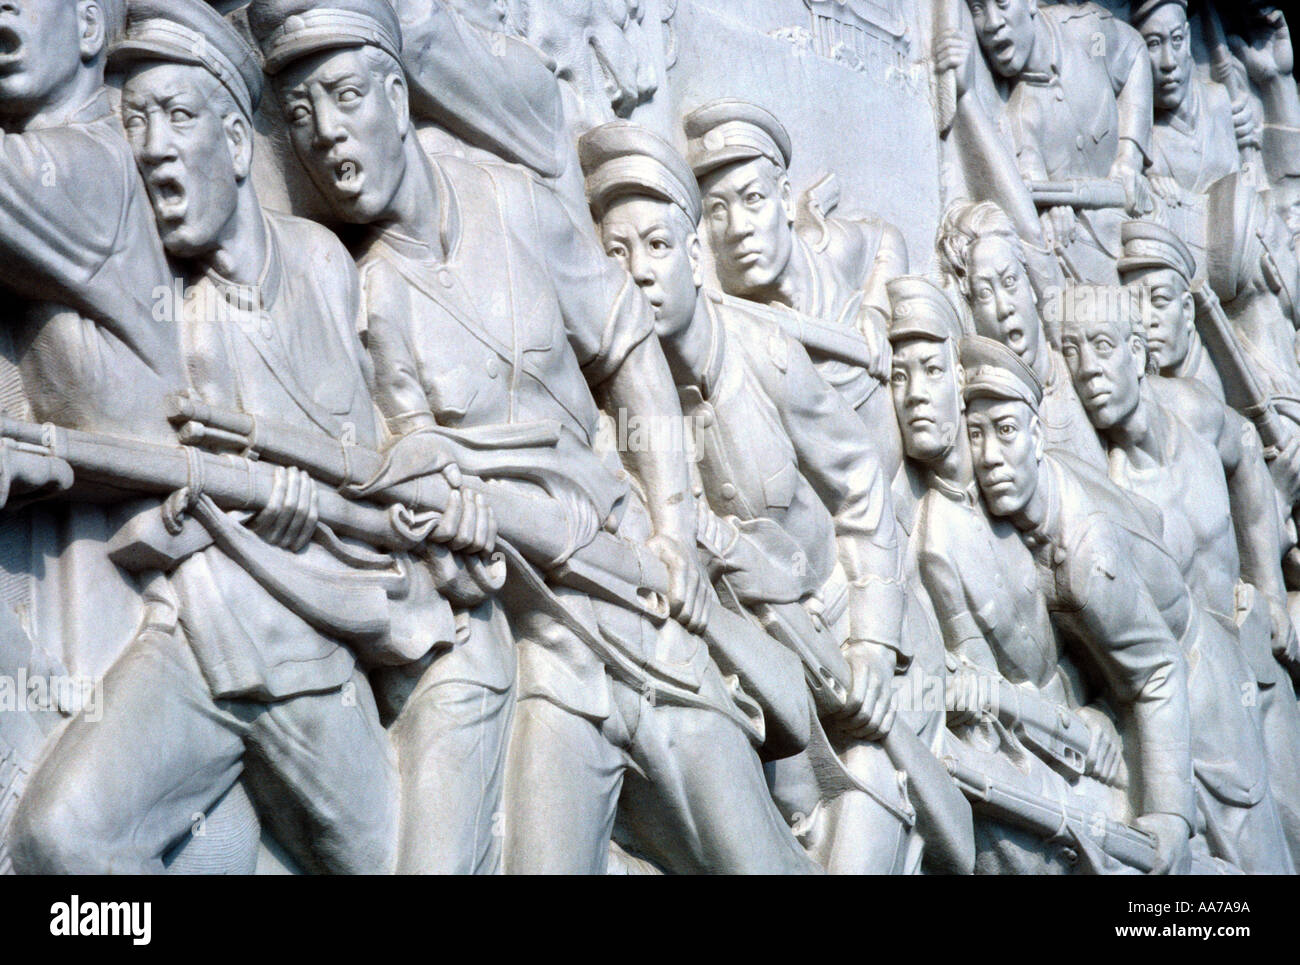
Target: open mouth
348,178
1004,49
11,47
169,196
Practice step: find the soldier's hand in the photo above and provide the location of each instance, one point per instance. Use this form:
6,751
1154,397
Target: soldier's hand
963,695
1286,646
467,525
872,706
873,327
688,585
1060,225
953,51
1246,123
1137,191
1104,754
291,514
1269,54
1173,843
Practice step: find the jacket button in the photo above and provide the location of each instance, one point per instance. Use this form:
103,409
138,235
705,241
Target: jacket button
1079,142
705,417
493,370
728,491
444,278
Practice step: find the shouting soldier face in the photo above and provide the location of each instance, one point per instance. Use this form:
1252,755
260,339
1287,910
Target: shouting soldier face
1006,32
192,146
348,117
42,43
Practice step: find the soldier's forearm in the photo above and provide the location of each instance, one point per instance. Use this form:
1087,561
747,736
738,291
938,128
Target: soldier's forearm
1135,112
643,389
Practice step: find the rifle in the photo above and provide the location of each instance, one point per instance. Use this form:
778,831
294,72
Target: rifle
1052,729
1081,193
1241,388
609,568
941,811
1049,819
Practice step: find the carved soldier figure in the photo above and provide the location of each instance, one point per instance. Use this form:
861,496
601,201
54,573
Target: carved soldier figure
994,619
617,715
241,665
81,263
832,270
1156,261
1078,107
980,249
1198,132
1113,588
776,446
1199,462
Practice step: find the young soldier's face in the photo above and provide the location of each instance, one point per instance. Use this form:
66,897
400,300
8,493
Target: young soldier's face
749,217
1106,361
1002,299
655,242
1006,445
348,126
924,380
40,51
179,139
1006,32
1170,316
1169,44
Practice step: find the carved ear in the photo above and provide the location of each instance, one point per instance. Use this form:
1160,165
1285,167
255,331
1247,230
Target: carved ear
400,97
239,137
93,27
786,193
697,263
1039,437
1189,310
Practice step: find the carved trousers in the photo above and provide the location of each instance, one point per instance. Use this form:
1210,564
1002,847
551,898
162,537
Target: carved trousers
450,735
115,795
685,784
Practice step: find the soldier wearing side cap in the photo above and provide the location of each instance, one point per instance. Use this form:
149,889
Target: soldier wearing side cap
1200,463
1114,590
994,619
82,268
1156,261
620,723
796,487
827,268
243,644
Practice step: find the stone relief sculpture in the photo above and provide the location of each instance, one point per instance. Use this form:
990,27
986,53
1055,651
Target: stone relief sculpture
458,436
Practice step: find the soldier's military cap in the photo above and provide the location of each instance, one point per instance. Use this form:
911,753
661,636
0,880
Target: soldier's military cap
993,371
621,159
191,32
1150,245
729,130
921,309
1144,8
288,30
